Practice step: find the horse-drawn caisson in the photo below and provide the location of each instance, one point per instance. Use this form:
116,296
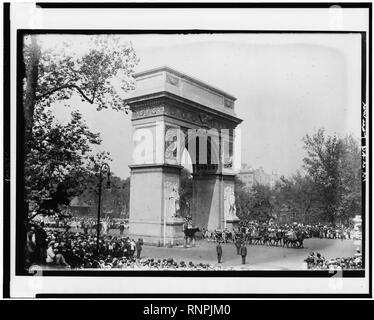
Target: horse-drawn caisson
295,239
222,235
262,236
257,234
274,237
189,233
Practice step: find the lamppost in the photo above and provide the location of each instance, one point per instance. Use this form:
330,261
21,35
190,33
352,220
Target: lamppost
104,168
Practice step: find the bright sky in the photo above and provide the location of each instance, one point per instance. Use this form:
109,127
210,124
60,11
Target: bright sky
286,85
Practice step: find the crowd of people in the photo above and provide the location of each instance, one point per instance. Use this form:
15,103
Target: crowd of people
319,230
315,261
56,248
65,248
272,234
153,264
87,224
73,244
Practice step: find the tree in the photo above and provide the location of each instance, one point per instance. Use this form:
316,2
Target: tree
300,196
334,165
59,161
322,164
242,199
350,169
114,201
262,203
99,75
254,204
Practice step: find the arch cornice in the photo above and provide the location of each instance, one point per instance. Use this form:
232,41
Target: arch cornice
167,104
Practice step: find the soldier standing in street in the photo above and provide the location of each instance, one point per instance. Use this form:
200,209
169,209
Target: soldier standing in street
121,228
139,244
219,251
243,252
238,244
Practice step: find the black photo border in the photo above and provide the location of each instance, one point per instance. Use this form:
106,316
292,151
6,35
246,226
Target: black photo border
20,156
6,151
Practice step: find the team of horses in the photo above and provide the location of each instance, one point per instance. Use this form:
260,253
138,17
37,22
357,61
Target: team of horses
290,238
283,238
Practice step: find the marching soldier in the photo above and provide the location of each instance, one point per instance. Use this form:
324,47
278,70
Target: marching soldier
243,252
219,251
238,244
139,244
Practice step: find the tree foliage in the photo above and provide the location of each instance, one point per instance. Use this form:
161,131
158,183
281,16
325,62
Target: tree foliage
94,74
350,203
328,191
58,157
100,74
334,164
242,199
322,164
115,201
59,161
299,196
254,204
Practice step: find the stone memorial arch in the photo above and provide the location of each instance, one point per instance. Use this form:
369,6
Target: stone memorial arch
173,115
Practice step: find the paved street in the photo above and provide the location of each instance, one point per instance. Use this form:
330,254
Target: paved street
259,257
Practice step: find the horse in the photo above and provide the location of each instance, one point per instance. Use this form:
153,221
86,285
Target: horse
228,236
289,239
294,239
208,235
237,235
271,236
301,235
218,236
189,234
253,236
276,237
